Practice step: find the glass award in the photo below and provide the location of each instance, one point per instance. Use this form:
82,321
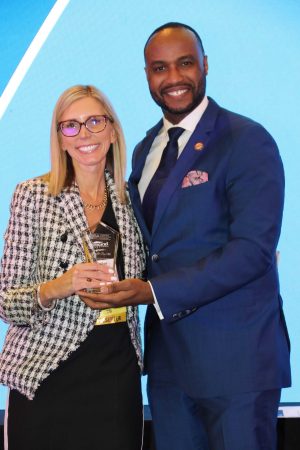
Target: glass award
100,245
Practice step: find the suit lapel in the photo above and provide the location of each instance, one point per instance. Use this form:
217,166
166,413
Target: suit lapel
140,156
186,161
200,138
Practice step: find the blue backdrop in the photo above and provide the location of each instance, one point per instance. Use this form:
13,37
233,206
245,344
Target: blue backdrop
253,54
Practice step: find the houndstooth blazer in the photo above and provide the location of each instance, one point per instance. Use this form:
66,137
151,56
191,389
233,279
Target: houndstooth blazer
42,240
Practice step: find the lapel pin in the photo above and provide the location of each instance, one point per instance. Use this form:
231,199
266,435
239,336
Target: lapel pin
199,146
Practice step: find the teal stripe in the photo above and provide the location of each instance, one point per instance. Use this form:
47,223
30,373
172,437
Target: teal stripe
20,21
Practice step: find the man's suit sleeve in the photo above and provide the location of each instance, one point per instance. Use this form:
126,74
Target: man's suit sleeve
255,194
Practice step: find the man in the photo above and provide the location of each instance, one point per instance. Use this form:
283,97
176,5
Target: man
217,351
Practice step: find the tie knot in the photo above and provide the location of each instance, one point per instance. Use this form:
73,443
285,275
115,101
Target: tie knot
174,133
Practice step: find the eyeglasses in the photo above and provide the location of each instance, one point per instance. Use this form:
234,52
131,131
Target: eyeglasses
95,124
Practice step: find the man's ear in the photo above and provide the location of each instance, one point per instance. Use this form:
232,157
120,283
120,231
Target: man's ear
146,72
205,64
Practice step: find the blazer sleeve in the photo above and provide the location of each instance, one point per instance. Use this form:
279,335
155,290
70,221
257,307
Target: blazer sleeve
254,190
18,266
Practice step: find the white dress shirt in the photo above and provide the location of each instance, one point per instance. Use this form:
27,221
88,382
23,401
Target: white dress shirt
189,124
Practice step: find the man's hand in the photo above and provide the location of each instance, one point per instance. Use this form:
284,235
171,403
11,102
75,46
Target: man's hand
130,292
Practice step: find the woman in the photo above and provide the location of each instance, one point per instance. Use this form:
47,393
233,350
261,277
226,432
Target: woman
73,371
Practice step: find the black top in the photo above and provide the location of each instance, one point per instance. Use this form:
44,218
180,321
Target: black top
109,219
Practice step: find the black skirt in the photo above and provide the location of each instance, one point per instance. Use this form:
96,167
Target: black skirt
92,401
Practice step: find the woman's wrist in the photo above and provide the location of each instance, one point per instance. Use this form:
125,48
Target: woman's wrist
44,303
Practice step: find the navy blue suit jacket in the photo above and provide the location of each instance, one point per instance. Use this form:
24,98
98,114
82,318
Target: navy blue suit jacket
212,260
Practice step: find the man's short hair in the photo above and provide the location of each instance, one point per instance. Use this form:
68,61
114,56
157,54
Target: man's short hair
175,25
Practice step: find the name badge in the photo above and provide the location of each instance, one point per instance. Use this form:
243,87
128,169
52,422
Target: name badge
111,315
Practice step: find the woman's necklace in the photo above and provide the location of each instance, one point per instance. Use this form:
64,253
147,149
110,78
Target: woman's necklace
100,205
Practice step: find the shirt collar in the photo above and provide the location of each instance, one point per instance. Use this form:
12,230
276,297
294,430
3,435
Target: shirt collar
190,121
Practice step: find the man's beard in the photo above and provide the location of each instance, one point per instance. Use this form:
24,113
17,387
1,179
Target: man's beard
196,100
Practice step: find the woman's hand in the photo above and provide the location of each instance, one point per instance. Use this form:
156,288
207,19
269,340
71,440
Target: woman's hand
129,292
80,277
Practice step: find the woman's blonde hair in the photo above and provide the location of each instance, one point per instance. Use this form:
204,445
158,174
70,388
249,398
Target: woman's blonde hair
62,174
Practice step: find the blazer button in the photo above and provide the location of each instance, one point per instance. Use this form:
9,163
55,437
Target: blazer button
63,264
64,237
155,257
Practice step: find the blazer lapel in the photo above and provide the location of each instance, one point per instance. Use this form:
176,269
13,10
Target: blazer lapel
195,148
72,208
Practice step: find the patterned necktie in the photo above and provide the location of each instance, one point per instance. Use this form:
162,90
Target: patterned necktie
168,160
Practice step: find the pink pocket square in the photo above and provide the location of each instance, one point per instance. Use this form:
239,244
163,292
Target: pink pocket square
194,177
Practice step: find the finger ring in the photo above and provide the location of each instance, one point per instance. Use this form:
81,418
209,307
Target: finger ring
88,280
